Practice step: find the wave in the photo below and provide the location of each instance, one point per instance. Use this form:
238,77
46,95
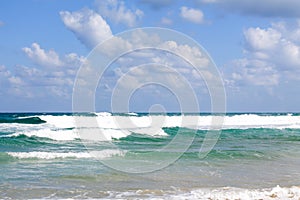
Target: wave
134,120
237,193
73,134
64,121
23,120
63,127
276,193
238,121
62,155
60,135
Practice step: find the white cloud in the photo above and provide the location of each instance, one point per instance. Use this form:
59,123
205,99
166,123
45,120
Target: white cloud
271,54
52,76
11,84
191,54
140,38
192,15
267,8
116,11
50,58
89,27
152,54
158,58
34,82
72,60
255,72
277,44
1,23
262,39
41,57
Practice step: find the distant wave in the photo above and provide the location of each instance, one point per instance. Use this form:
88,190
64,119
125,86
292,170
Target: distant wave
23,120
238,121
64,128
133,120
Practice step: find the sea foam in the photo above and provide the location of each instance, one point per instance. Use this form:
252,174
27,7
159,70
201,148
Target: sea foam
225,193
61,155
276,193
59,135
107,126
109,121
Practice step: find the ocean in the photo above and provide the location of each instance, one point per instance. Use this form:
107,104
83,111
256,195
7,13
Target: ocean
50,155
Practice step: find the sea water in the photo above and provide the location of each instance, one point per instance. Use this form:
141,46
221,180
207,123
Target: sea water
43,155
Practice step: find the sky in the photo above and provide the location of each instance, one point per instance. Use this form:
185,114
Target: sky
254,44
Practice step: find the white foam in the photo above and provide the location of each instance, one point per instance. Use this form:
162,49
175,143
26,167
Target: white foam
150,131
59,121
58,155
106,120
133,114
229,122
110,134
68,135
225,193
292,193
103,114
257,121
51,134
122,126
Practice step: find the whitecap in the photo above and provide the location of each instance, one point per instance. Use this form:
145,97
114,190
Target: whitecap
61,155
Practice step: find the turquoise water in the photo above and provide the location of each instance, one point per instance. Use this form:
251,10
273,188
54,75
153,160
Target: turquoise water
44,156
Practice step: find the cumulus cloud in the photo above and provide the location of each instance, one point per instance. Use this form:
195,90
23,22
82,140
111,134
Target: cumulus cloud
117,12
191,54
35,82
41,57
262,39
142,39
275,44
142,48
266,8
255,72
51,75
50,58
88,26
167,53
192,15
11,83
271,54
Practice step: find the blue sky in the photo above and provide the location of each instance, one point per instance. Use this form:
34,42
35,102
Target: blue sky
255,45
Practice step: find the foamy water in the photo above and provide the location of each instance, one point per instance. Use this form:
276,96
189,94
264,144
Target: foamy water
256,156
56,155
